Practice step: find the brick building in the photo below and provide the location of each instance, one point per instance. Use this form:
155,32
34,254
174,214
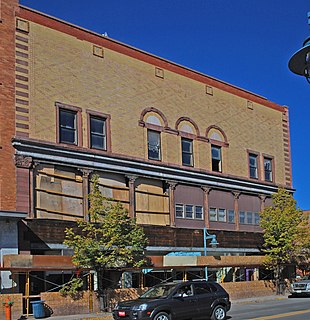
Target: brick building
181,150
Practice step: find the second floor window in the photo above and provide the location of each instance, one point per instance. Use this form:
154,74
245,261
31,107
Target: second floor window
216,153
67,126
187,152
153,145
268,169
231,216
253,166
98,133
188,211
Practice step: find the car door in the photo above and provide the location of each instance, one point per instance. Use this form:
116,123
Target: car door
184,303
204,298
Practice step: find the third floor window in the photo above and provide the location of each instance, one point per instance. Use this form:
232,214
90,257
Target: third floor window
187,152
268,169
253,166
216,153
98,133
67,126
153,145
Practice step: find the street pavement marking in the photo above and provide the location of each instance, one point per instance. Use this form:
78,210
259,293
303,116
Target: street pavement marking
283,315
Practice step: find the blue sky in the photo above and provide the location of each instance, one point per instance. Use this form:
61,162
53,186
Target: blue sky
247,43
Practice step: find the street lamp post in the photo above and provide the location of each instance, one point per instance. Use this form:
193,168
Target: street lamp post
300,61
213,243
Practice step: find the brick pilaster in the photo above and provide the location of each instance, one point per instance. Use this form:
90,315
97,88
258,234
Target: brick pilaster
7,104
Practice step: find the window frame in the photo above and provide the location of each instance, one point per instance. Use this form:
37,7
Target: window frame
107,119
186,206
271,172
190,153
219,164
255,156
214,213
221,215
256,218
159,145
249,217
195,212
231,213
102,136
78,123
242,220
180,206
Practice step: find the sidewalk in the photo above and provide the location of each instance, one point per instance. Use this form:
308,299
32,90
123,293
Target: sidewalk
260,299
89,316
108,315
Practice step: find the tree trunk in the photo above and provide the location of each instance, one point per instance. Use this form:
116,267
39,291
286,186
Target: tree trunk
101,289
279,280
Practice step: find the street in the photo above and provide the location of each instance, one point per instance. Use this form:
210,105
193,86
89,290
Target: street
287,308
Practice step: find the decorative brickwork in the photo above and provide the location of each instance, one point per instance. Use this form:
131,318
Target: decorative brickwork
7,105
22,78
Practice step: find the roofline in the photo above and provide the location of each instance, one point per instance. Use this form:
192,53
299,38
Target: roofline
106,42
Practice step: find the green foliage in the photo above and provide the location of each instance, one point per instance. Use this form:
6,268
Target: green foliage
110,240
283,226
71,288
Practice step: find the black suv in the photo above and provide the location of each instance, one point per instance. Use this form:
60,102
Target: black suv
195,299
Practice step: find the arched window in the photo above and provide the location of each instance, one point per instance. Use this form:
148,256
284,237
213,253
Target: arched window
218,140
155,122
188,130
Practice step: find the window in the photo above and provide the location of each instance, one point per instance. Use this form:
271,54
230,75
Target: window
153,144
198,212
216,153
201,288
189,211
187,152
68,126
241,217
268,169
212,214
179,210
231,216
253,166
222,215
249,218
98,133
256,218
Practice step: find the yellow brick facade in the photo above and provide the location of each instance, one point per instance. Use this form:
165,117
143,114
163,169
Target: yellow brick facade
64,69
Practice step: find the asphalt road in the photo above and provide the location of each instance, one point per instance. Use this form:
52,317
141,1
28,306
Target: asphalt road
287,309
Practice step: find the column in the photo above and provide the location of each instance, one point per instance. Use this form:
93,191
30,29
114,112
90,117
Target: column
172,185
132,195
85,191
206,191
262,202
23,185
236,208
33,193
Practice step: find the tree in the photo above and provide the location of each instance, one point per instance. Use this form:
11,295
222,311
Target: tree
283,226
303,256
110,240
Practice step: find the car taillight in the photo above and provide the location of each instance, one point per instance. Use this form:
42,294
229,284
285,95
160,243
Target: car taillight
121,313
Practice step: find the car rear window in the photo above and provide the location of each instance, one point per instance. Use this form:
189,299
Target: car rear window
202,288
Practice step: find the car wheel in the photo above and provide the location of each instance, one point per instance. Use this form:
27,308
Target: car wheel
219,313
162,316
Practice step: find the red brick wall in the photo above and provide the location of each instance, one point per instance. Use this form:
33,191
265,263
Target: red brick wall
17,307
245,289
66,305
7,105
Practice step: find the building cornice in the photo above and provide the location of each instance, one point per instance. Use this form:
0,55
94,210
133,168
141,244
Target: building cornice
53,154
117,46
